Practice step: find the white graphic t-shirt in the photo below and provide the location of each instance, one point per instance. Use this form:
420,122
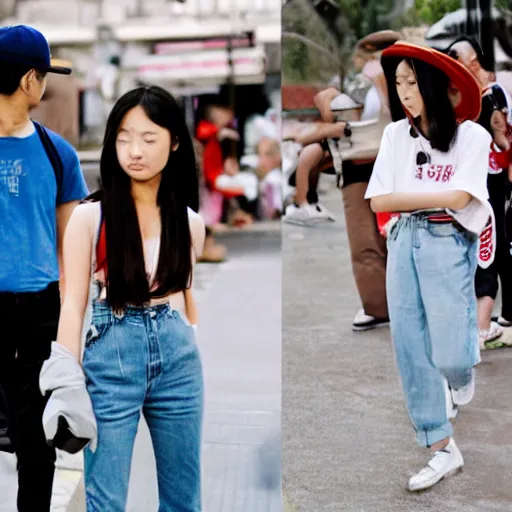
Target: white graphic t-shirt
464,167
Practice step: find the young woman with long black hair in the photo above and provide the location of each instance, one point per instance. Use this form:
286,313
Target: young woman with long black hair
432,170
142,237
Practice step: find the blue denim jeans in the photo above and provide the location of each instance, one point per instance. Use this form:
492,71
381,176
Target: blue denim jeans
433,316
145,360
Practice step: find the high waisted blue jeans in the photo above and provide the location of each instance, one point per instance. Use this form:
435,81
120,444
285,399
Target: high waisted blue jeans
433,314
145,360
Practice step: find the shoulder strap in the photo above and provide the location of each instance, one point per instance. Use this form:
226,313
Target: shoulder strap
53,156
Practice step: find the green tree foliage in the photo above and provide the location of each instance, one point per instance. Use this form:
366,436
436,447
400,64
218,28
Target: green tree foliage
366,16
296,53
431,11
505,5
302,63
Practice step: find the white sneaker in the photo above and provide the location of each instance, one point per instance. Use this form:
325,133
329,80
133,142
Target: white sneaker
443,464
451,408
484,336
323,210
364,322
305,215
464,395
503,322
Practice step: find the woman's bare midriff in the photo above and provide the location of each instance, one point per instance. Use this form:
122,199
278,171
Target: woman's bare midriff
176,300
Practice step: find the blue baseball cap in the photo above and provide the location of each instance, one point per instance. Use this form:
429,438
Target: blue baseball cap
25,45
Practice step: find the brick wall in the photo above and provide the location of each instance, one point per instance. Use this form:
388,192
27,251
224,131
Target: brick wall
295,97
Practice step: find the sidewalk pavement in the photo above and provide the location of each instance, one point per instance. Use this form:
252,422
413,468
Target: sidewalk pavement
347,441
240,343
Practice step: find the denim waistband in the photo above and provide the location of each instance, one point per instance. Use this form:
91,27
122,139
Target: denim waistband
421,219
102,307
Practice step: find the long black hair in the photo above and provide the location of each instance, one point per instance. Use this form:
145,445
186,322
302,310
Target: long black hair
433,85
127,283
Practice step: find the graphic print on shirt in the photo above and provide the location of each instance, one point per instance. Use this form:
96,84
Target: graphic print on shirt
497,162
433,172
10,172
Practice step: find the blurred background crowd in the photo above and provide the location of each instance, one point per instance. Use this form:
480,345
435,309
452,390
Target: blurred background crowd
220,58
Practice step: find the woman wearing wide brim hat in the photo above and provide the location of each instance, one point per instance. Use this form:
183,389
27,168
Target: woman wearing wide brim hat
431,171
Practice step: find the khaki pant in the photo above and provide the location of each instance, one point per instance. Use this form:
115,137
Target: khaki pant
367,250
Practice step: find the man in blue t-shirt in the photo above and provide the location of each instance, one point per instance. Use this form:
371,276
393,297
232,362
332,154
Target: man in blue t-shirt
36,201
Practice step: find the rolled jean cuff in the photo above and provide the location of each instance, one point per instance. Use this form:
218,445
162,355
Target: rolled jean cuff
429,437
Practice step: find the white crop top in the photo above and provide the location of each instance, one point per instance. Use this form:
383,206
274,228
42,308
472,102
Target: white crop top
151,257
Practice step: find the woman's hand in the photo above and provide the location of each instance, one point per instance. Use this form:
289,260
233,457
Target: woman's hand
198,235
410,201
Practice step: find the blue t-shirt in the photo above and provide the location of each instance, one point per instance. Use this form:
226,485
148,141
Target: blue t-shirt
28,226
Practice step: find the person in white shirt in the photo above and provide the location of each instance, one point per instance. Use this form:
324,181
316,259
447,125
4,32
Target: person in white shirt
431,171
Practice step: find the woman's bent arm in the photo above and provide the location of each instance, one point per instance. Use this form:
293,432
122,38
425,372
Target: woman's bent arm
77,249
411,201
197,235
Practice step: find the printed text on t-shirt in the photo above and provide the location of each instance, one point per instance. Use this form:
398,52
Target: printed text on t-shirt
443,173
10,172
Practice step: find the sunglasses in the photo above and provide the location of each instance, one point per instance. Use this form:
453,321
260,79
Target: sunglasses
422,158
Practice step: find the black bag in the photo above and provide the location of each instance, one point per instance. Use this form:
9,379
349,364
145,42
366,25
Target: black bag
58,168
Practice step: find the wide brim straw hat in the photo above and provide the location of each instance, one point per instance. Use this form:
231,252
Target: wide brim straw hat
466,88
378,41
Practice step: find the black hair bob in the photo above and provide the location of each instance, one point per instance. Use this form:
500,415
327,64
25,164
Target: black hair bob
433,85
